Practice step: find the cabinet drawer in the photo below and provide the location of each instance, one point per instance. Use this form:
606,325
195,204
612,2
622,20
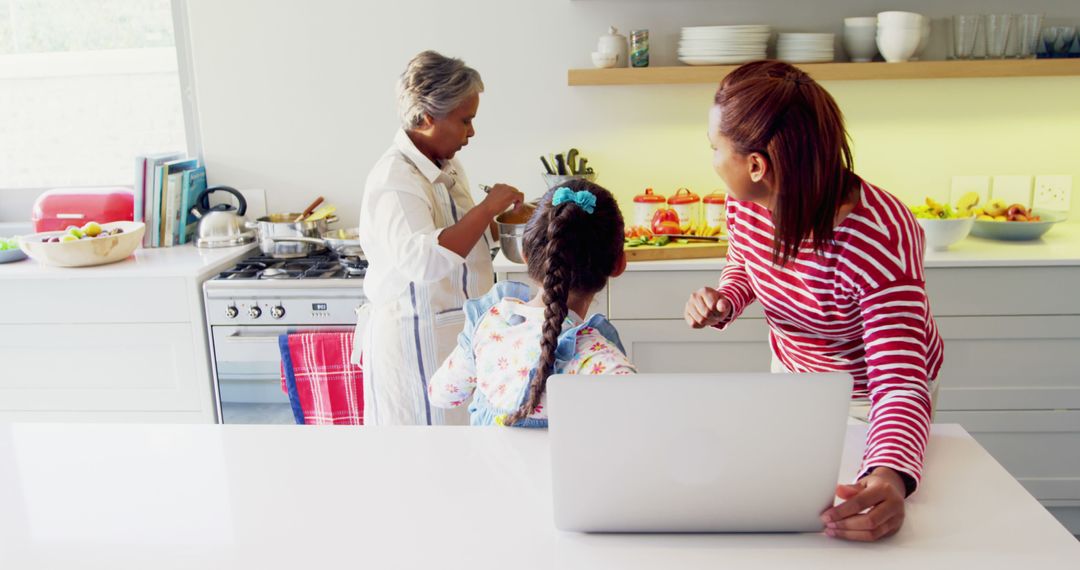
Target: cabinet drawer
149,300
661,294
1003,290
1010,363
1041,449
102,367
660,346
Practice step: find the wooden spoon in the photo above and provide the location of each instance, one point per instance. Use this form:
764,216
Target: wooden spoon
307,212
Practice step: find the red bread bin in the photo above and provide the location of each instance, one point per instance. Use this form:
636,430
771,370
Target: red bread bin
59,208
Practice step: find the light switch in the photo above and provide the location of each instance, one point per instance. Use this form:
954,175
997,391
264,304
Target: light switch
1052,192
1012,190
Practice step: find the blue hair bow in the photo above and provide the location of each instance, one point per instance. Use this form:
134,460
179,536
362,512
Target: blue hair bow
584,199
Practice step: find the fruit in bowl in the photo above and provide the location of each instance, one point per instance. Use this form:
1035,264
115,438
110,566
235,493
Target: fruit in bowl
1016,223
944,225
91,244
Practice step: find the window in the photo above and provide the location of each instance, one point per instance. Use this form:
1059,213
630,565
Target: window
84,87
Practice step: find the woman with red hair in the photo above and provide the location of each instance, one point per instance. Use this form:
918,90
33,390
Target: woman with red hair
837,265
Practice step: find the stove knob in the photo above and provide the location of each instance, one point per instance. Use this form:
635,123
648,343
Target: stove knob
254,312
231,311
277,312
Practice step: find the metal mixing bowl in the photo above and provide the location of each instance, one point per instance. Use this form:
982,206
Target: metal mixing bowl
512,232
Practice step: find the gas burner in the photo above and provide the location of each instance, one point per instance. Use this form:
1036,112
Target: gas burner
319,266
275,273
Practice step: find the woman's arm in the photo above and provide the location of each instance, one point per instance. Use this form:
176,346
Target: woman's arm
897,353
718,307
461,237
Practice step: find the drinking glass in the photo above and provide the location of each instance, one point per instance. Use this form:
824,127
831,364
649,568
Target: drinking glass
965,28
997,34
1028,28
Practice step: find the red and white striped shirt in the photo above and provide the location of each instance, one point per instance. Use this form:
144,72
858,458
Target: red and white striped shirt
859,307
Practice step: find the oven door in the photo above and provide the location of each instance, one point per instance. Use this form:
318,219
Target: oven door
247,368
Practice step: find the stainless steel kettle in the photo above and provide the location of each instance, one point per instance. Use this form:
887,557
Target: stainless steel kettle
221,225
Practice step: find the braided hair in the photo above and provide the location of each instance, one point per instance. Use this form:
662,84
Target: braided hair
567,250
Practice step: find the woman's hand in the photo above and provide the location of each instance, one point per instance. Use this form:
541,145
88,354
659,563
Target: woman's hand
706,308
499,198
881,495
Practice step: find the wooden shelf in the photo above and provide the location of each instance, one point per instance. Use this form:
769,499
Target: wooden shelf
835,71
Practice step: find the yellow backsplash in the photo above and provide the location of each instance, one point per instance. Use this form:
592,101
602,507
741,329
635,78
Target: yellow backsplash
910,137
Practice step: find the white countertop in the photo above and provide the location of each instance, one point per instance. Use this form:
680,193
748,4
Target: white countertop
178,261
205,496
1060,246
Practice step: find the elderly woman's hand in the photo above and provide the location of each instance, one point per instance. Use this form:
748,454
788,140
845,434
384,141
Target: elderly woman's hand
499,198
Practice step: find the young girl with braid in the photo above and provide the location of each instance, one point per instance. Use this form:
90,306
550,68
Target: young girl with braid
513,341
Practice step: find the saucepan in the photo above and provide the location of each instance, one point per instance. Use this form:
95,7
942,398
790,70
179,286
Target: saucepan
278,235
344,242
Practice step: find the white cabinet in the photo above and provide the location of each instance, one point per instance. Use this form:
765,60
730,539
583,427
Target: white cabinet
98,368
124,342
670,346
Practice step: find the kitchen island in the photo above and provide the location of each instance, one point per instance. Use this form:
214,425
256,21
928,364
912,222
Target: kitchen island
121,342
192,496
1009,313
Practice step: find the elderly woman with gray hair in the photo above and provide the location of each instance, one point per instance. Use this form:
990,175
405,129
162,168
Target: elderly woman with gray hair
427,243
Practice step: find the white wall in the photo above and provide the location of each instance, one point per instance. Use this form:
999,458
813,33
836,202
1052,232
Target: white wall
297,97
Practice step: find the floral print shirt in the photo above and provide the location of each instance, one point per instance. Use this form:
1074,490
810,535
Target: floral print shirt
506,349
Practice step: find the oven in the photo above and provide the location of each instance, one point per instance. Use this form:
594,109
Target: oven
247,312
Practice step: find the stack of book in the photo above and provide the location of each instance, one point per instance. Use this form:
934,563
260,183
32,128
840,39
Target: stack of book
166,186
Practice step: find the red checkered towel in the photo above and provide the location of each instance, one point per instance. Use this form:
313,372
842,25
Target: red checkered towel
324,388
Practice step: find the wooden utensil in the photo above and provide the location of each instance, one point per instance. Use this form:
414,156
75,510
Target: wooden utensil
307,212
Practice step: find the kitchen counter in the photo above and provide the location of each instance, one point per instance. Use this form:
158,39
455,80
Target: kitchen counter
172,496
123,342
1059,247
179,261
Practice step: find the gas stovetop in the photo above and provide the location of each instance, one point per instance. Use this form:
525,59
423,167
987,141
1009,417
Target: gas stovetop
320,266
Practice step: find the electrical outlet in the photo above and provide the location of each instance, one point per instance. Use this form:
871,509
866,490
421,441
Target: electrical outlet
1012,190
1052,192
963,184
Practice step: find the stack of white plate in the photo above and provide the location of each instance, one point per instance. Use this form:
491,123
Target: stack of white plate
805,48
718,45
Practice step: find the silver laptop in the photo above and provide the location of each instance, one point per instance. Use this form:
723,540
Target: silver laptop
696,452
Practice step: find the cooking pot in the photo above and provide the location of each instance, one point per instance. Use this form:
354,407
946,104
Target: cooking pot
221,225
274,230
344,243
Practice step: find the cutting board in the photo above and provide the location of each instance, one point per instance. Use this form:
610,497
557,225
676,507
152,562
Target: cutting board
691,250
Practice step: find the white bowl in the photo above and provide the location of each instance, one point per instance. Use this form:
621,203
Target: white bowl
860,47
604,59
87,251
940,234
899,19
861,22
898,45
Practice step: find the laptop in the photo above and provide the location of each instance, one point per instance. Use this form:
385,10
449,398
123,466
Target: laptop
696,452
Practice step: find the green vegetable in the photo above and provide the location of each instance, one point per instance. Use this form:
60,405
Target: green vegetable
8,243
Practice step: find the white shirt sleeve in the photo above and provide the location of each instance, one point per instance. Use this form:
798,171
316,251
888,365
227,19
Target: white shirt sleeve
402,223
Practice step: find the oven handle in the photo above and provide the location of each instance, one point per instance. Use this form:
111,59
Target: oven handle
237,337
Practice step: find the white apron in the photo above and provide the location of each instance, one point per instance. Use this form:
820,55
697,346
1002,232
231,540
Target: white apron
404,341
